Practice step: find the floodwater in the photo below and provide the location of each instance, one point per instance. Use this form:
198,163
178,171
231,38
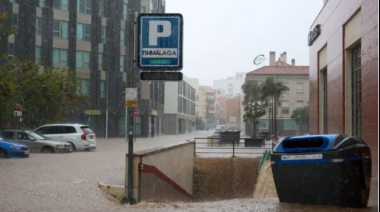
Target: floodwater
264,199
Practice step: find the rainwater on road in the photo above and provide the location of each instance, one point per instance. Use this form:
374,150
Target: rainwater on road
69,182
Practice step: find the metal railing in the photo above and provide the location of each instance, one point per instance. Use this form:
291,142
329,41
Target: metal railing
212,146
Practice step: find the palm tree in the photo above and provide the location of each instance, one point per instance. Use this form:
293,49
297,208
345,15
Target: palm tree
272,91
253,107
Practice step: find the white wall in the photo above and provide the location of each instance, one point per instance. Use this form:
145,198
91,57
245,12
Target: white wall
171,98
193,82
224,86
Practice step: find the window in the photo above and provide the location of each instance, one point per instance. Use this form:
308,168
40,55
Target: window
290,125
84,32
103,36
101,8
122,37
83,59
11,49
9,135
103,89
299,104
38,55
121,63
60,29
125,12
356,86
137,125
22,136
285,107
38,26
60,57
100,62
142,10
61,4
42,3
14,19
84,6
299,87
325,109
84,87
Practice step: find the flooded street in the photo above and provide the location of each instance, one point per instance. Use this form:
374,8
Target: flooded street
69,183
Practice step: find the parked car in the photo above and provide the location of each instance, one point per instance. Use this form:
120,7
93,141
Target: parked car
10,149
80,136
37,143
220,128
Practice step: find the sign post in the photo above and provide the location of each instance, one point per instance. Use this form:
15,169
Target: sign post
131,102
160,46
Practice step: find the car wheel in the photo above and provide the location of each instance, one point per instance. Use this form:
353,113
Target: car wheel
3,153
72,145
47,150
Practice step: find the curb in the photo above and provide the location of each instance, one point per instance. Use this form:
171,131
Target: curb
115,191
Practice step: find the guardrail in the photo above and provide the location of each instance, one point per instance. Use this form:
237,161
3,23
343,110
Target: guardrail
236,147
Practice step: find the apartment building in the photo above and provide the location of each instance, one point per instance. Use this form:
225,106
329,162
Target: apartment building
344,71
90,37
296,78
180,107
231,86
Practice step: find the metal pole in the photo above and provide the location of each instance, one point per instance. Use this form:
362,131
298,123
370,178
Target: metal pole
107,106
233,148
129,118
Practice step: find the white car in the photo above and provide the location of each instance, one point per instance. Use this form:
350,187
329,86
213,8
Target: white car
80,136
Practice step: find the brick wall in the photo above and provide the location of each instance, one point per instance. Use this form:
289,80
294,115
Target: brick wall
332,19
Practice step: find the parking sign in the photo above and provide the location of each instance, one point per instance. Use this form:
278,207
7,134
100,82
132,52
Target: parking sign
160,42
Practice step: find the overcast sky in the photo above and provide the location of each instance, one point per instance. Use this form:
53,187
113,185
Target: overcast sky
222,37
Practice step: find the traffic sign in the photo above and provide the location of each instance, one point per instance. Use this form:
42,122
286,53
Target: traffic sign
160,42
131,97
161,76
18,113
135,112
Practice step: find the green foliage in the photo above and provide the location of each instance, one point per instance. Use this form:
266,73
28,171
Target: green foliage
199,121
47,95
253,107
3,30
301,115
272,88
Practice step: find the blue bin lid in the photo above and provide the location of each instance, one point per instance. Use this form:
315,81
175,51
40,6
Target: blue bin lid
308,143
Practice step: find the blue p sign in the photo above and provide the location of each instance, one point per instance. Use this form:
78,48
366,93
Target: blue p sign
160,42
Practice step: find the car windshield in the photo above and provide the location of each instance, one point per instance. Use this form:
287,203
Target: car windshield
37,136
1,138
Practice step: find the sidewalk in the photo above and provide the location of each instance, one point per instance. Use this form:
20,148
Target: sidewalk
374,194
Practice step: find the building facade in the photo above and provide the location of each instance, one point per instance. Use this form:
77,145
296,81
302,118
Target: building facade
180,107
231,86
296,78
90,37
344,71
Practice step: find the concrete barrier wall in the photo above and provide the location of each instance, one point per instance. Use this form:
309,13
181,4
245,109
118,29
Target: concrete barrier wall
164,174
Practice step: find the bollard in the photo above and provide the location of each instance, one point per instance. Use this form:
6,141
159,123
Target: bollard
233,148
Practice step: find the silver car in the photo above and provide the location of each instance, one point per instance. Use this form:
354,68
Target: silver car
37,143
80,136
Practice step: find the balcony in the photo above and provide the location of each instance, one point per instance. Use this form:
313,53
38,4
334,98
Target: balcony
210,100
211,109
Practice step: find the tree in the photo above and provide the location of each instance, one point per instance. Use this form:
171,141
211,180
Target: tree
253,105
199,121
47,96
272,91
301,117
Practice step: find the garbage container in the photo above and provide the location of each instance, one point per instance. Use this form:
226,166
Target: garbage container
322,170
229,136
